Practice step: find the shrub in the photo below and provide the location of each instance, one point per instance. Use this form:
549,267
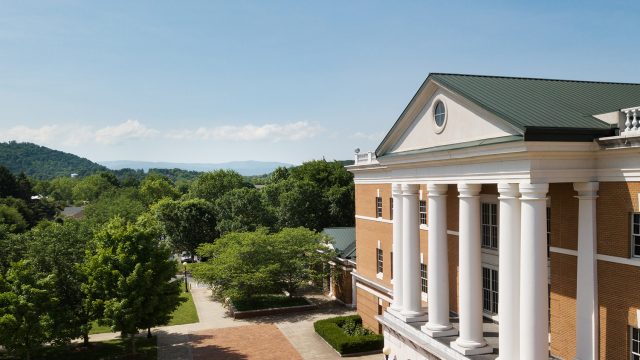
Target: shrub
335,332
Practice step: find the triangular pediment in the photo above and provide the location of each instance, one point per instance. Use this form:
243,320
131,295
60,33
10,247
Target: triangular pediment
465,122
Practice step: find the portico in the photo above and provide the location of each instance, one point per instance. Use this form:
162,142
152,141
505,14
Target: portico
495,250
523,269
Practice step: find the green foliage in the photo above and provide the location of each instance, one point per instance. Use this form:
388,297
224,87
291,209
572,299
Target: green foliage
91,187
124,203
212,185
59,251
241,210
353,328
187,223
130,278
302,205
8,182
25,301
12,248
118,349
315,195
43,163
61,189
12,218
242,265
333,332
155,187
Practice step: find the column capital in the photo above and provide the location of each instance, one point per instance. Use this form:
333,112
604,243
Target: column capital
437,189
469,190
508,190
534,191
410,189
586,190
396,189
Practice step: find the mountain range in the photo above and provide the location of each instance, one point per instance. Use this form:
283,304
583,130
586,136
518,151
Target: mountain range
246,168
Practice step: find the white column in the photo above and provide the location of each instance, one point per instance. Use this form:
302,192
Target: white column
411,298
471,340
354,292
396,193
509,271
587,322
438,264
534,292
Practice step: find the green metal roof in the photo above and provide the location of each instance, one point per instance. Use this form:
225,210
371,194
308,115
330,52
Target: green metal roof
344,240
544,103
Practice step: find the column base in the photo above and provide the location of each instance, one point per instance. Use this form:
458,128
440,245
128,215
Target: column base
408,318
471,351
451,331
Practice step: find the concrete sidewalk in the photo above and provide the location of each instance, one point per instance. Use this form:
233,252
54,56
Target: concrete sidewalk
175,342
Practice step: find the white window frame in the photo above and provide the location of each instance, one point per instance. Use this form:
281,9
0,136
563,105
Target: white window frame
490,224
379,263
378,207
493,293
424,284
635,236
634,340
422,205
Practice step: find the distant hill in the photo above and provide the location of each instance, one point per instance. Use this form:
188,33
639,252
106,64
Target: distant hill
44,163
246,168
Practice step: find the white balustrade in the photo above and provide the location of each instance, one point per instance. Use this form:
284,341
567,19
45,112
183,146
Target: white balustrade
365,158
632,119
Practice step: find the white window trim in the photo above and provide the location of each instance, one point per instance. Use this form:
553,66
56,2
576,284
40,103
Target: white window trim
379,275
632,240
486,314
631,340
490,199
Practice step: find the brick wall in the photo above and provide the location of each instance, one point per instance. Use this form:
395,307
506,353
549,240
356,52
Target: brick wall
619,285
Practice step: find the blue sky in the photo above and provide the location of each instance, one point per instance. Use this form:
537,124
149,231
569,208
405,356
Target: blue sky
210,81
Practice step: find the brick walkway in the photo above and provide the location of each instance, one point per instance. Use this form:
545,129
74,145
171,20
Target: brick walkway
251,342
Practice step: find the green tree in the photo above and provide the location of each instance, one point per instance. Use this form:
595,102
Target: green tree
129,276
244,264
155,187
125,203
187,223
299,254
91,187
302,205
12,248
212,185
11,217
241,210
25,305
239,265
61,189
8,183
59,250
325,174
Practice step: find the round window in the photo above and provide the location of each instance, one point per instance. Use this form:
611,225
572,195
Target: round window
439,114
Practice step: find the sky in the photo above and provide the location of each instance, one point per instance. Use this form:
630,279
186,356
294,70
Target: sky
214,81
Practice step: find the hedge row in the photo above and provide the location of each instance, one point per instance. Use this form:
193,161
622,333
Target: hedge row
332,333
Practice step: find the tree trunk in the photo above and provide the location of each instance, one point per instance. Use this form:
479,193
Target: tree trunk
133,344
28,354
85,338
148,333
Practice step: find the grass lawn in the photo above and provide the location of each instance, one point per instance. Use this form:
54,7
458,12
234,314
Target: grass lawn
185,314
146,349
268,302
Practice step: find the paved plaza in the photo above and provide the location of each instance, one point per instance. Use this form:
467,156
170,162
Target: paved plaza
218,336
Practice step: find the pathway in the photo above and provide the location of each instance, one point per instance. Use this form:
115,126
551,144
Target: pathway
217,331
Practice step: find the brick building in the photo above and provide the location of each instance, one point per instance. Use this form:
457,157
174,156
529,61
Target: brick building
501,215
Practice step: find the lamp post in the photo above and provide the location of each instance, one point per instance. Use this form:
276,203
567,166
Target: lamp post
386,351
186,285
